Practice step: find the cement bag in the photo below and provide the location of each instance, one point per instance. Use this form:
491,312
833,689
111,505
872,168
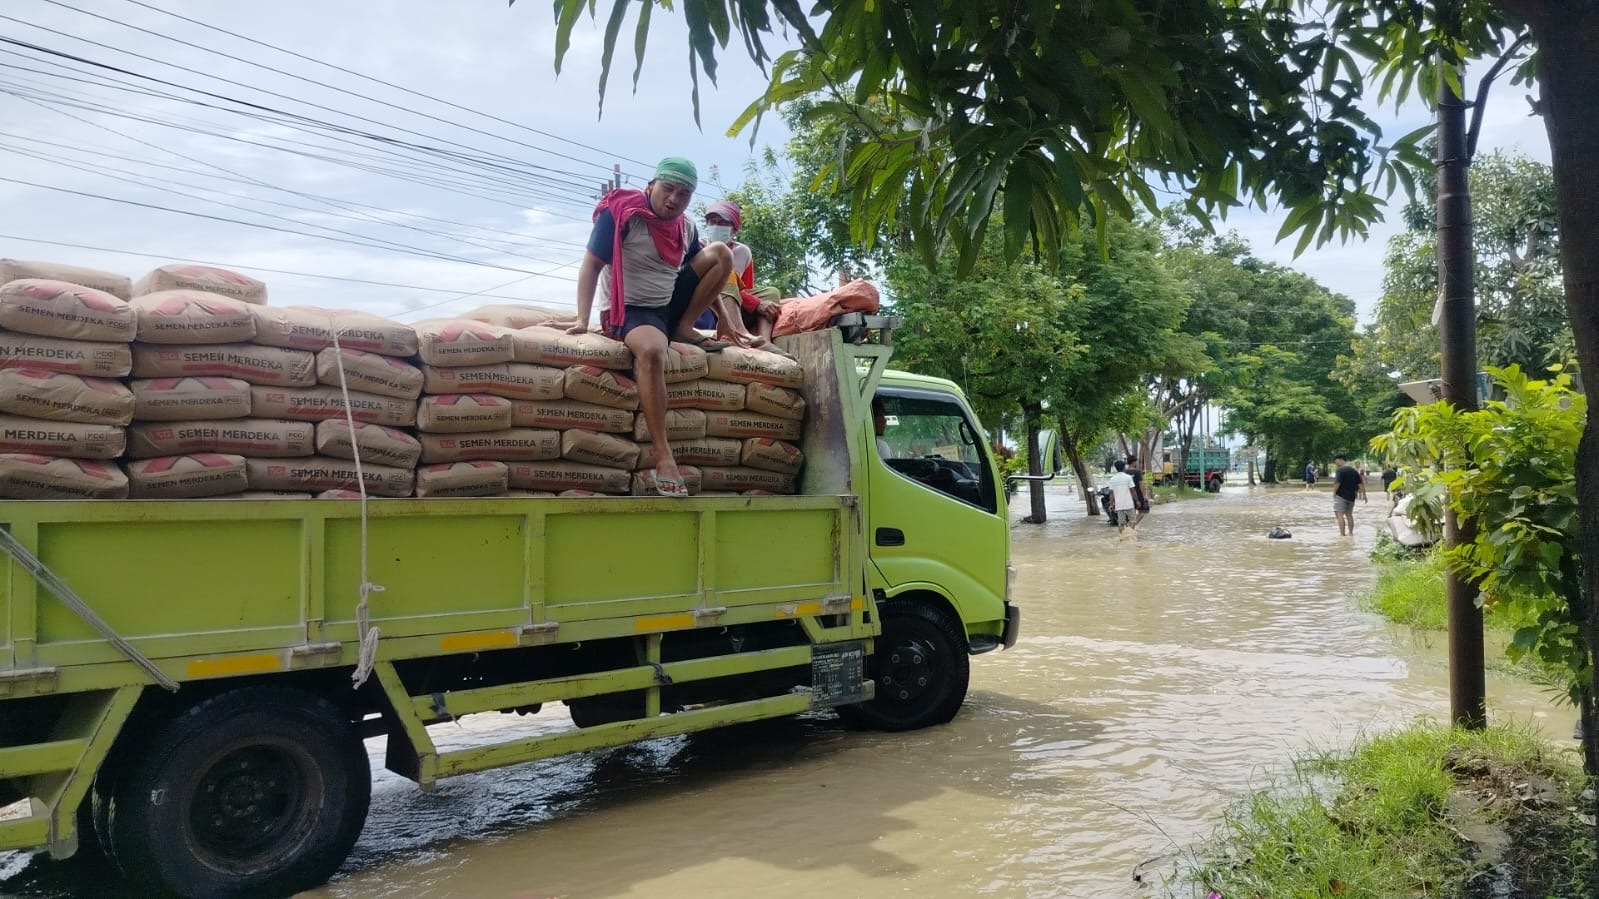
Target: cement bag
681,424
186,477
370,373
339,494
257,364
743,479
599,449
685,395
378,443
68,311
577,494
743,366
479,478
73,439
183,276
776,401
643,483
265,494
318,473
684,362
192,316
75,357
511,445
512,380
189,399
374,334
561,415
508,315
258,437
55,396
549,346
592,384
772,455
718,396
817,312
463,412
293,327
750,424
32,476
321,403
531,494
559,476
118,286
704,451
456,343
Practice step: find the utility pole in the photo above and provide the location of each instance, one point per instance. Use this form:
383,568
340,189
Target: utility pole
1457,328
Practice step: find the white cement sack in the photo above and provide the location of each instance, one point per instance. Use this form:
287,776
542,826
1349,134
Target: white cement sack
377,443
509,315
68,311
743,366
33,476
529,494
643,483
750,424
192,316
189,399
772,455
478,478
567,476
186,477
453,343
512,380
220,281
510,445
556,348
370,373
56,396
681,424
374,334
743,479
704,451
596,448
561,415
61,438
118,286
780,402
258,437
75,357
592,384
322,403
318,473
684,362
273,366
339,494
577,494
685,395
265,494
718,396
292,327
463,413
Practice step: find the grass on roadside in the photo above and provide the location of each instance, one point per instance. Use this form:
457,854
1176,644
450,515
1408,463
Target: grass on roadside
1425,812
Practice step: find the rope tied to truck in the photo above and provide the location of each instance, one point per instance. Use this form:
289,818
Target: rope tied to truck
363,618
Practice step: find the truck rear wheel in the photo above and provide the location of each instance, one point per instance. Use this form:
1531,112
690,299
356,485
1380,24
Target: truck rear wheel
920,669
257,791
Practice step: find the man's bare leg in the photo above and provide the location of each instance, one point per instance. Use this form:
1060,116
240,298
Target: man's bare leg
649,369
712,264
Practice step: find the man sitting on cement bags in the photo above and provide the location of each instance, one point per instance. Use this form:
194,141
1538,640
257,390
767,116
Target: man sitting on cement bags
662,278
742,312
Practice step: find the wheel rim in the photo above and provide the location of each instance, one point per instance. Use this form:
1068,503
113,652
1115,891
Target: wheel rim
251,806
905,672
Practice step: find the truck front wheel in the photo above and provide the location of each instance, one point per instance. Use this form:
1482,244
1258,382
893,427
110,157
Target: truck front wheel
920,669
257,791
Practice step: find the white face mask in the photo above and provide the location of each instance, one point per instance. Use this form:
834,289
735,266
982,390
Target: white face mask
715,233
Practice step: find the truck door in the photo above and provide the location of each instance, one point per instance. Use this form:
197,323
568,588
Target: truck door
934,511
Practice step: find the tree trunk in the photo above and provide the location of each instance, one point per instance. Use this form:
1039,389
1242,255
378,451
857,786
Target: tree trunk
1251,471
1032,412
1085,478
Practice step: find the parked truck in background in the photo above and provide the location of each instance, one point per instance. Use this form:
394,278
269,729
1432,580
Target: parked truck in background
1206,468
196,715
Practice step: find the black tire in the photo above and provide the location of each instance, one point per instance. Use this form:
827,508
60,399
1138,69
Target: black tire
259,791
1213,485
921,670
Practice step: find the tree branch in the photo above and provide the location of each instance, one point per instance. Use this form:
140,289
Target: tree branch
1481,102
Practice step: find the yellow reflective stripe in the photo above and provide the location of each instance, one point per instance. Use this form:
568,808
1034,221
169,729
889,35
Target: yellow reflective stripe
664,622
255,664
470,642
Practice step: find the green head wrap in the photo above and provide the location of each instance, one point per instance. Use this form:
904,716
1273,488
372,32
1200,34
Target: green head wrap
678,170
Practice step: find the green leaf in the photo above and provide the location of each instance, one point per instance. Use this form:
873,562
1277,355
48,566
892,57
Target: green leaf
1018,209
566,16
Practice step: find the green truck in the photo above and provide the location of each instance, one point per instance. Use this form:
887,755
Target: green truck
1207,468
186,685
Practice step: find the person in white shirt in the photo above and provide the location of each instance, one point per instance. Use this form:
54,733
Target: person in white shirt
1121,497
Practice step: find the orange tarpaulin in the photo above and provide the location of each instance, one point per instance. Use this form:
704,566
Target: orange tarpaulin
815,313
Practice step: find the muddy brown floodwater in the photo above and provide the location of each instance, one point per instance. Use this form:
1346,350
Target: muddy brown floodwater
1156,679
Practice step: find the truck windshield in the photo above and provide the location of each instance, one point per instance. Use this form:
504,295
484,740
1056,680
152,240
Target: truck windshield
931,441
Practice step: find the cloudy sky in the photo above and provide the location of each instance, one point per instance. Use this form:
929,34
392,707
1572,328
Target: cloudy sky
442,158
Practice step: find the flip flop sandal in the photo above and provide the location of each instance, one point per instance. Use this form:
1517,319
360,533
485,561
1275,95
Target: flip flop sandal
709,344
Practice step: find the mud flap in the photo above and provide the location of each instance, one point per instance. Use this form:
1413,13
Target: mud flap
838,674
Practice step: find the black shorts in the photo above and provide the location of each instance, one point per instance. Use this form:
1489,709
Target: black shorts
662,318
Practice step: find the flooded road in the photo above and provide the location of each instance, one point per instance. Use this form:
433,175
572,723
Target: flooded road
1156,679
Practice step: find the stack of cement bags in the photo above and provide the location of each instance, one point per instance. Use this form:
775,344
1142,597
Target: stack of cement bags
64,335
753,417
